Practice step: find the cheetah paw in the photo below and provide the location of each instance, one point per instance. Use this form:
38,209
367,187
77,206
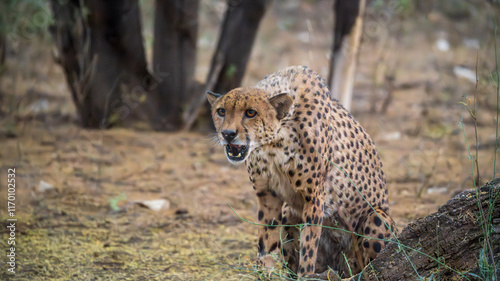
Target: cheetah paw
268,261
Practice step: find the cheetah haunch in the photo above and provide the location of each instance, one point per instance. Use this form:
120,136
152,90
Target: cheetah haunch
310,163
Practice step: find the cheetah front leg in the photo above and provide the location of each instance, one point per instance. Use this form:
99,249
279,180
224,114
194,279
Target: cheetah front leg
269,234
310,235
290,237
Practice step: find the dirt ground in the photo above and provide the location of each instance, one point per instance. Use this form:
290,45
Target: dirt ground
81,195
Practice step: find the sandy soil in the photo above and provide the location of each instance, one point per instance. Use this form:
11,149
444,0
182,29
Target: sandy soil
93,223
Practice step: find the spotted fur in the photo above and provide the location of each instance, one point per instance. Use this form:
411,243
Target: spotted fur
310,163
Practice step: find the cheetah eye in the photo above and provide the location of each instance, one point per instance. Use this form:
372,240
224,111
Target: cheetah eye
250,113
221,112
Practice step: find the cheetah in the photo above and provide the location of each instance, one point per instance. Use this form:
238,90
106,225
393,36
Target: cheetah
312,165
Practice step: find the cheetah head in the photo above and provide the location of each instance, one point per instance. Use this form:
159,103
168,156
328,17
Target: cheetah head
246,118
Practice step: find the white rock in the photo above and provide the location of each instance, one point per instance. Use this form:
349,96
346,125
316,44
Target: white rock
304,36
155,205
392,136
44,186
39,106
463,72
443,45
432,190
471,43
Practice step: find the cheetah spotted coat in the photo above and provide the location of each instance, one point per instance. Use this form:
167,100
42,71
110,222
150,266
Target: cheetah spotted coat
311,164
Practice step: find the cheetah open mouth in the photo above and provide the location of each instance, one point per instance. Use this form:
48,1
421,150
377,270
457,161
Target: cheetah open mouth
236,152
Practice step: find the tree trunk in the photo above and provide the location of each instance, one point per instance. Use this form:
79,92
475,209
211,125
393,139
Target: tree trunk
453,236
3,45
103,58
348,26
69,32
174,57
239,29
4,11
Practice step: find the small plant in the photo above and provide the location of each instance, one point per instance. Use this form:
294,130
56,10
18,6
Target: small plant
113,202
498,105
486,260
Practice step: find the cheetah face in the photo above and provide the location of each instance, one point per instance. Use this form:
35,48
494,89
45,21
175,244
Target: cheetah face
246,118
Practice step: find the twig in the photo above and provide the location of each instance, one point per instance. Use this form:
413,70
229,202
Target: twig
478,183
478,179
484,225
389,80
227,256
498,109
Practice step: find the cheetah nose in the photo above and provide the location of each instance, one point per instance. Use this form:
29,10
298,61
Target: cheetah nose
228,135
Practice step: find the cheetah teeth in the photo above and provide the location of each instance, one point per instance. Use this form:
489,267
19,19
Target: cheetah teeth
236,152
230,154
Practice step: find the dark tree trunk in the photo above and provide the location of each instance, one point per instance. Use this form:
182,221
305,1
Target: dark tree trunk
174,57
454,236
103,58
3,32
239,29
3,45
69,32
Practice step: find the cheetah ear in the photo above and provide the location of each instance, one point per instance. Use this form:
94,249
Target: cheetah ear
212,97
282,104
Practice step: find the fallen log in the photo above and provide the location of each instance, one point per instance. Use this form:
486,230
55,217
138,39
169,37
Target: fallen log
448,245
